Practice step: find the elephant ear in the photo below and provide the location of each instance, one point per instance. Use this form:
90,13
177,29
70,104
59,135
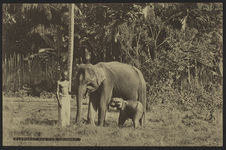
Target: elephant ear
89,75
94,75
100,75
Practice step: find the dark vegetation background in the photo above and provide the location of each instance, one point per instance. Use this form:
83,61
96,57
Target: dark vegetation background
177,46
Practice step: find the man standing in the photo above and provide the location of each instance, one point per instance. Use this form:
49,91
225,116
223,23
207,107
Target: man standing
63,98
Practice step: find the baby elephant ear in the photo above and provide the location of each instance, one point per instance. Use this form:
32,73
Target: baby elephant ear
123,104
100,75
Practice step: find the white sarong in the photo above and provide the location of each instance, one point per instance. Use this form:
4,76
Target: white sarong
64,111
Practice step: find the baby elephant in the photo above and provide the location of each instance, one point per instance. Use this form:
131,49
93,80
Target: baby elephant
129,109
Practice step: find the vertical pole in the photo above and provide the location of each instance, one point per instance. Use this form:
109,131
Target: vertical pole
14,73
18,69
71,43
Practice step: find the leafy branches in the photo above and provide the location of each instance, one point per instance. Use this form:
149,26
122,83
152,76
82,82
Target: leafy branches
174,41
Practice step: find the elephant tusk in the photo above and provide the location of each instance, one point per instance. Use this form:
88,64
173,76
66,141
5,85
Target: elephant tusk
85,95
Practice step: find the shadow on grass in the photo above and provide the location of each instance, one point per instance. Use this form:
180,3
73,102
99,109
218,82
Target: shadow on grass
156,120
83,121
39,122
110,123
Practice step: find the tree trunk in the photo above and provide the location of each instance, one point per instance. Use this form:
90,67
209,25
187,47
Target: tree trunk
71,43
137,52
189,76
196,75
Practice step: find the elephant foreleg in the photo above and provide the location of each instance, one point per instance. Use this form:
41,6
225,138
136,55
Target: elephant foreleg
101,115
121,119
104,101
91,112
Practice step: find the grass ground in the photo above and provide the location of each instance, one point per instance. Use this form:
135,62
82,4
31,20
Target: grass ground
165,126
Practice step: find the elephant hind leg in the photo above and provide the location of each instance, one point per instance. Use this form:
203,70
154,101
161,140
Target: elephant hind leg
135,123
137,119
142,120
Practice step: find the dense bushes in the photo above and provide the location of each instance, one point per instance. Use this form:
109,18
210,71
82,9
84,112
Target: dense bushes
177,46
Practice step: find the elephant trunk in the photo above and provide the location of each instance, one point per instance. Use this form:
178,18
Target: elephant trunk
80,95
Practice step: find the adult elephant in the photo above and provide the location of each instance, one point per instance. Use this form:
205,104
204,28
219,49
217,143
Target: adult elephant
104,81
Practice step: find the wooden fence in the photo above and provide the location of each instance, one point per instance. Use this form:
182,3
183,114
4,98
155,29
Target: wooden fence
18,72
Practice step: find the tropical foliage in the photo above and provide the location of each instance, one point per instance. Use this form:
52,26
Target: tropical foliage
176,45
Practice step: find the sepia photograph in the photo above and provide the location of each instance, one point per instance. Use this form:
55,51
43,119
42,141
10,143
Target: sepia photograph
112,74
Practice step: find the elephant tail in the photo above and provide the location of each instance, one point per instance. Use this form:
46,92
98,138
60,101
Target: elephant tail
142,95
142,89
